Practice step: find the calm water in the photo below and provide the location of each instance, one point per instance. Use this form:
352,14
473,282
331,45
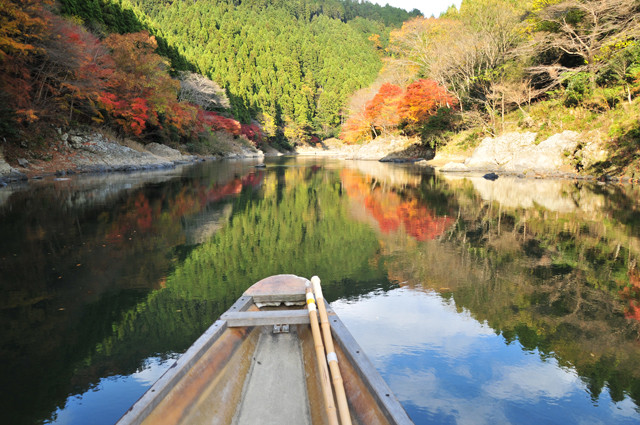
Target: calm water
514,301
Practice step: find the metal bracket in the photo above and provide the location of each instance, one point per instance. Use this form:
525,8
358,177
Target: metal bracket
280,329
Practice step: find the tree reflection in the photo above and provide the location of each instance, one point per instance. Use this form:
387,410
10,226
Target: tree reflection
391,211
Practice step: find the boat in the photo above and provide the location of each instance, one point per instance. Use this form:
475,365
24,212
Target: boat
259,364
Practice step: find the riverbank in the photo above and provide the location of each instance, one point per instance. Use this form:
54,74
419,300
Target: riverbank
563,155
94,152
568,154
384,149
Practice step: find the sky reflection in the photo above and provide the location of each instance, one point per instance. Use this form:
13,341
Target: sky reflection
90,408
445,367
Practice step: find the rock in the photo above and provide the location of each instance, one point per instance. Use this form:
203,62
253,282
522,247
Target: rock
4,167
549,156
491,176
493,153
76,142
164,151
452,167
8,173
592,153
517,153
23,162
64,137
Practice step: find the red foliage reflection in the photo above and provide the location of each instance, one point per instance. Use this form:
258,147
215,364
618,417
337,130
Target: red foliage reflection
140,213
632,293
393,212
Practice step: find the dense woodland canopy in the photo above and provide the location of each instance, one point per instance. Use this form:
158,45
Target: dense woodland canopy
287,66
303,70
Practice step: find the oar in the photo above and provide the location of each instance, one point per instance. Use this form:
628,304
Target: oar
322,363
336,376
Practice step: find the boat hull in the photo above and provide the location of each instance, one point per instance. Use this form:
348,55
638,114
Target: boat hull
257,364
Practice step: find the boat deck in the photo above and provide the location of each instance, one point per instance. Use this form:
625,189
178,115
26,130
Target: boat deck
274,391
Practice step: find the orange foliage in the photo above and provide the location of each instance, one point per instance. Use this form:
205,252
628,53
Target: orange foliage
140,88
422,99
23,24
392,106
356,129
52,68
382,110
392,212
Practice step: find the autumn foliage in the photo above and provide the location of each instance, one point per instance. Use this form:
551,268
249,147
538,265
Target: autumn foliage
23,25
392,212
382,110
53,70
393,107
422,99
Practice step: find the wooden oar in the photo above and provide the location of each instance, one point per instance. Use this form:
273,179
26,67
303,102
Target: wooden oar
336,376
322,363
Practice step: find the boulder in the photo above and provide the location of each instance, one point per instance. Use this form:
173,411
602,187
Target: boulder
549,156
517,152
592,153
76,141
8,173
496,152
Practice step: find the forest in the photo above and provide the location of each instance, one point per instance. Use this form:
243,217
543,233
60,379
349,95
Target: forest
179,72
290,72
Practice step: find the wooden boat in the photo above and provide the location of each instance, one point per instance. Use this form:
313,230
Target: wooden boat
257,365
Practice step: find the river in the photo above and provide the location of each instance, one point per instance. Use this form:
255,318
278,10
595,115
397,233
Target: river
480,302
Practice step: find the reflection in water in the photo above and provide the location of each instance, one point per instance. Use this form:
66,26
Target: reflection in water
512,303
445,367
391,211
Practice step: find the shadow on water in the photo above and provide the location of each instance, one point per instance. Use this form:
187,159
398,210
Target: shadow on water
99,276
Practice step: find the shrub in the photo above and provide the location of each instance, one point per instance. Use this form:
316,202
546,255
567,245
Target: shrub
578,88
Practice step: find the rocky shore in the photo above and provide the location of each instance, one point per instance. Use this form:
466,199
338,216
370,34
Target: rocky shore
562,155
384,149
93,152
518,153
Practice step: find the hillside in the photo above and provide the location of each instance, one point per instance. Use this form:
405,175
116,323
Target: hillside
290,65
194,75
497,66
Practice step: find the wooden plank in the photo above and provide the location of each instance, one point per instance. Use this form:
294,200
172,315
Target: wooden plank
154,395
369,374
266,318
279,288
149,400
242,304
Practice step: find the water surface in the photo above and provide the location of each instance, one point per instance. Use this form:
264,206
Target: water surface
514,301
